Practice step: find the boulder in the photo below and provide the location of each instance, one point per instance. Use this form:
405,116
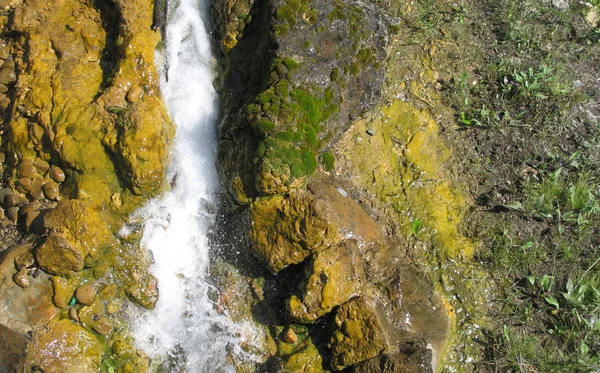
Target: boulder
357,335
287,229
13,347
333,277
64,347
301,355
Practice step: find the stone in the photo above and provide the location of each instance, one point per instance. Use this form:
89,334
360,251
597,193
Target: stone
73,314
30,207
36,191
64,289
414,359
59,256
23,185
50,190
56,174
13,347
135,94
64,347
103,326
9,63
358,334
560,4
41,165
289,336
10,200
24,260
85,294
7,76
333,277
3,88
287,229
27,169
302,355
20,278
12,213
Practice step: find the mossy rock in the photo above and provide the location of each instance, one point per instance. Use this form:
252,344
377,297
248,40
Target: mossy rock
358,333
301,356
287,229
333,277
64,347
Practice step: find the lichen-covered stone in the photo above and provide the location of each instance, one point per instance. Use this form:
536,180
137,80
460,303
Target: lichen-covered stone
287,229
333,277
59,256
358,334
301,355
64,288
64,347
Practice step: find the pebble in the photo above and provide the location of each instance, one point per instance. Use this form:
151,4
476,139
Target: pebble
23,185
24,261
27,169
51,190
112,307
36,187
134,94
4,51
30,217
102,326
37,133
41,165
7,76
370,132
73,314
31,206
85,294
21,278
3,88
1,214
57,174
12,214
290,336
9,63
10,200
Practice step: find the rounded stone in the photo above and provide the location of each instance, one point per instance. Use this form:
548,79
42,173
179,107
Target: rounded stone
10,200
112,307
134,94
2,216
36,187
85,294
7,76
9,63
51,190
41,165
57,174
12,214
290,336
30,217
31,206
3,88
73,314
21,278
27,169
23,185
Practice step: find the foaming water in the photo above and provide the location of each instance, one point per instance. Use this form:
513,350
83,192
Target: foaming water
184,333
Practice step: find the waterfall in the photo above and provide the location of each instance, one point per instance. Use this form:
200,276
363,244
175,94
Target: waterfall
184,333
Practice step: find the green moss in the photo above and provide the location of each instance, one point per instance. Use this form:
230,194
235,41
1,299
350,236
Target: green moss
327,160
294,5
285,14
354,69
285,136
365,56
281,30
264,126
310,136
290,63
282,88
335,75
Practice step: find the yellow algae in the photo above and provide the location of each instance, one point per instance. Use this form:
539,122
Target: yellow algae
410,175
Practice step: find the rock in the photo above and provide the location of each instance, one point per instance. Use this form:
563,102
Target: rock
7,76
41,165
289,336
51,190
302,355
56,174
73,314
64,347
134,94
64,289
36,187
2,214
59,256
82,224
333,277
85,294
4,50
27,169
23,310
20,278
12,214
560,4
10,200
414,359
24,260
3,88
358,335
287,229
30,207
13,347
2,155
9,63
103,326
23,185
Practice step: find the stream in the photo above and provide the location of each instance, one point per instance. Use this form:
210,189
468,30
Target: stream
184,332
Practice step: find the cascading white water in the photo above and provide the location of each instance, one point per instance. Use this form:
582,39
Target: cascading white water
184,333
